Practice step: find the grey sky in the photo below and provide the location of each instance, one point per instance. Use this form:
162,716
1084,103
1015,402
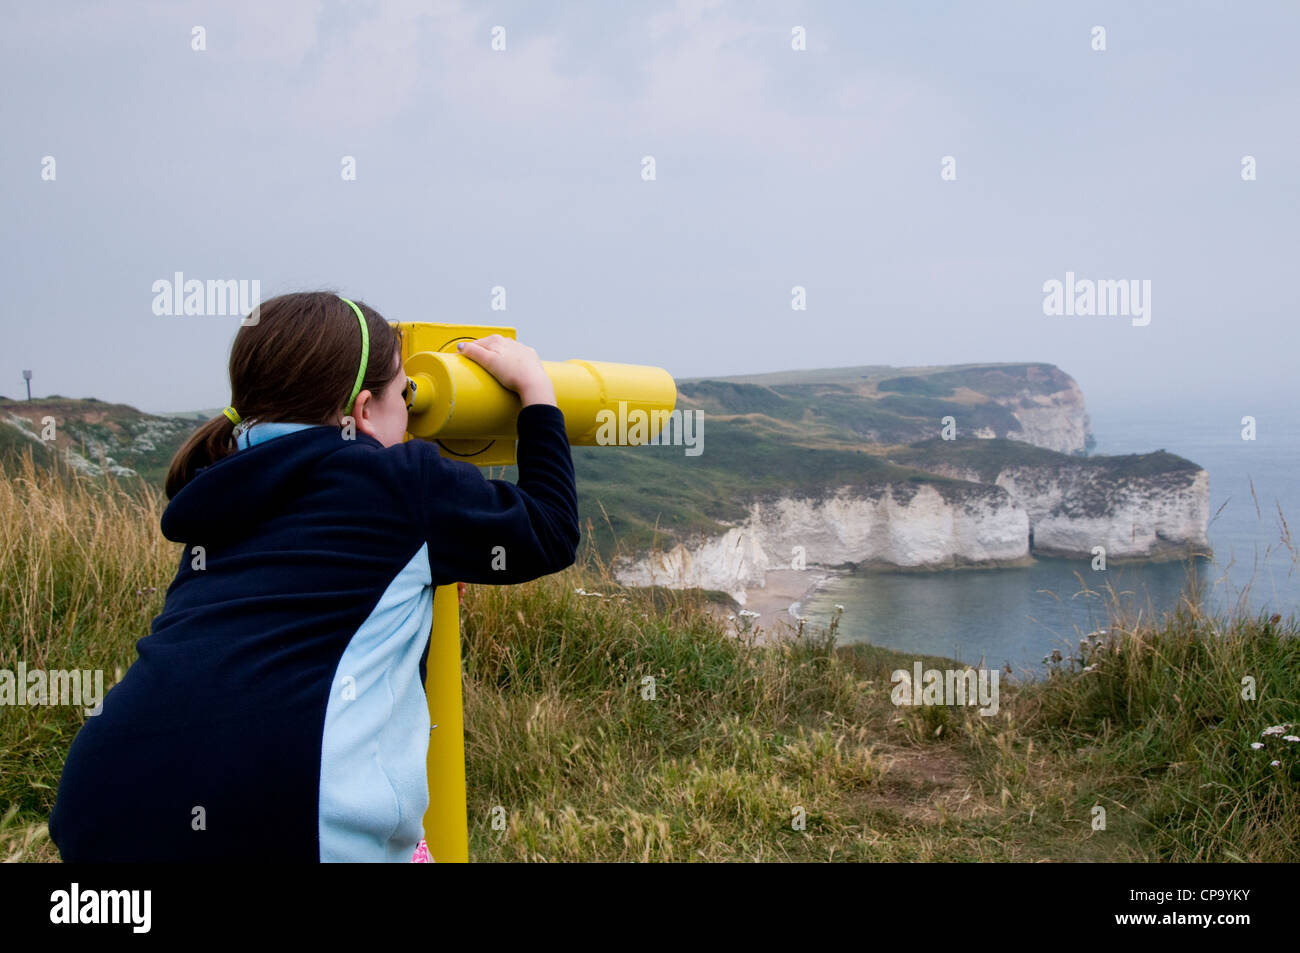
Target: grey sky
775,168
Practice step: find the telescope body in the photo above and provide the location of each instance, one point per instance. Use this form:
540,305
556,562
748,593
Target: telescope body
463,408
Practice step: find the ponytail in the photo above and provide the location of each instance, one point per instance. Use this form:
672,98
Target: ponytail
206,446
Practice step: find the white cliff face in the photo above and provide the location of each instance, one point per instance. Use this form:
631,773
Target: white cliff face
1145,517
1056,421
895,526
1070,508
1073,508
1063,509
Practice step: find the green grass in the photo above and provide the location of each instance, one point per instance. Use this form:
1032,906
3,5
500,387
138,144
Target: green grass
741,737
1153,721
922,386
993,380
988,458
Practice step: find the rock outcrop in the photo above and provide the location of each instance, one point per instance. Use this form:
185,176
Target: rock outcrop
912,526
1147,507
1055,421
1074,507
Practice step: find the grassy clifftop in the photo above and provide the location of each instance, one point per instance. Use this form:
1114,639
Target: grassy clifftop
737,740
988,458
92,435
874,404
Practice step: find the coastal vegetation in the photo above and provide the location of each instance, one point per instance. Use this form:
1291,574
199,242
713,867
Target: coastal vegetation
605,723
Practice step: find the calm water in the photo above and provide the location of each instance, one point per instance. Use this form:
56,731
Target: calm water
1017,616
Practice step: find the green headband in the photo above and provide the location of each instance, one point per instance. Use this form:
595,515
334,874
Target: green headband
365,356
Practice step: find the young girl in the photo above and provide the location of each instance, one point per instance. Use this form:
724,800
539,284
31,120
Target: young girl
277,709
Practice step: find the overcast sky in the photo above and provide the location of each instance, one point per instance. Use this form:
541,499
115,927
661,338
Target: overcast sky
774,167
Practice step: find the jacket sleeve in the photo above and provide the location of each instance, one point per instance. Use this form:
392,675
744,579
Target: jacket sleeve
495,531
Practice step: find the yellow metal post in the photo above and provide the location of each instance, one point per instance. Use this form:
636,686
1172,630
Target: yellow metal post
470,416
445,822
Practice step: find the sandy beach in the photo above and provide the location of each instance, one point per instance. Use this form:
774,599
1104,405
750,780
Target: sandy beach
781,589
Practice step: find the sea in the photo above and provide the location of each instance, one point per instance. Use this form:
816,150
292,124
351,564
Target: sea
1017,617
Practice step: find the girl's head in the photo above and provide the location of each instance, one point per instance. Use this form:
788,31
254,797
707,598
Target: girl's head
298,364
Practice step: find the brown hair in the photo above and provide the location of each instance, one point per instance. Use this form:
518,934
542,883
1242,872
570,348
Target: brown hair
297,364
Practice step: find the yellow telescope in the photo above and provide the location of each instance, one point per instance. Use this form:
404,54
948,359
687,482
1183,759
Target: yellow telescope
464,410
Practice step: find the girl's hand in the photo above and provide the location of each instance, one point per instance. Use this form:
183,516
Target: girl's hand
515,365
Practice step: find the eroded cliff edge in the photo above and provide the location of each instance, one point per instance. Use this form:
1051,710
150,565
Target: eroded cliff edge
915,468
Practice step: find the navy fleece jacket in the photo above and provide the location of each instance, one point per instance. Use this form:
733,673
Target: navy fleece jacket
276,710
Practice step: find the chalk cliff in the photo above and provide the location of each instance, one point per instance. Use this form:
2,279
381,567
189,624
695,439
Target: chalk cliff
933,526
1055,420
851,464
1145,506
1064,510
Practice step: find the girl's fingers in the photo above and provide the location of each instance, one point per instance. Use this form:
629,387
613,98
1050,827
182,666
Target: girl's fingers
478,352
491,344
504,358
492,361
